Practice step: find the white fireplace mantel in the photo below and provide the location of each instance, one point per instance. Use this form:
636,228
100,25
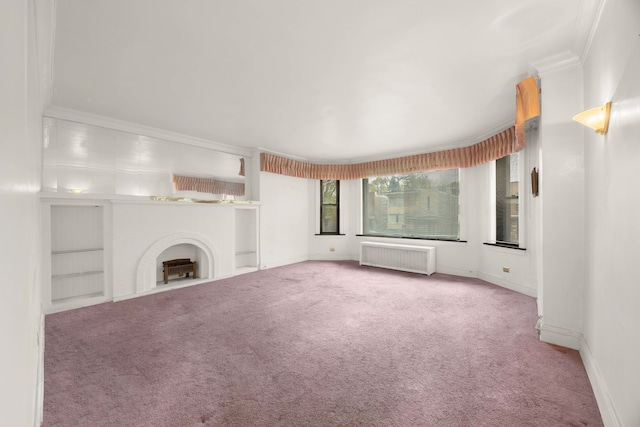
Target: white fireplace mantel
137,229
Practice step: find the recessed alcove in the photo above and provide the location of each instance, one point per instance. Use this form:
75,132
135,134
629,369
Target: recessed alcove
177,245
183,251
119,253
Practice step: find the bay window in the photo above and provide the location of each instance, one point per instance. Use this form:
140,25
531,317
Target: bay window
422,205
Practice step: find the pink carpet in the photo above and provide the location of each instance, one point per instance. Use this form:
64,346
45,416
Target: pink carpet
314,344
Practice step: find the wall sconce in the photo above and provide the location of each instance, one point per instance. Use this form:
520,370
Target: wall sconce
595,118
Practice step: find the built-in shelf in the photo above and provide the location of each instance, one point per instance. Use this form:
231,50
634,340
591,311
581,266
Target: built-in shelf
246,250
76,265
84,273
78,298
76,251
248,269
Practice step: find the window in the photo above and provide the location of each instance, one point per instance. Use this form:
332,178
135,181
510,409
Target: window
416,205
507,197
329,206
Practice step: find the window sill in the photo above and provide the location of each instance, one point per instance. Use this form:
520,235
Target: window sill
506,246
433,239
330,234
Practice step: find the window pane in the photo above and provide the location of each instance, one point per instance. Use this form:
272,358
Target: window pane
329,206
507,209
329,192
329,214
421,204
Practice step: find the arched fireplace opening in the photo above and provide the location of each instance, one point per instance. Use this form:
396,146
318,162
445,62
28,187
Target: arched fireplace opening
184,262
176,246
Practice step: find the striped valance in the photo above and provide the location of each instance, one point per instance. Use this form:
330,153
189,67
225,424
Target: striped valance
208,185
492,148
497,146
527,107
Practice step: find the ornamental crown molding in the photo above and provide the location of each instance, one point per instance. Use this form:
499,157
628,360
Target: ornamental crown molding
69,114
558,62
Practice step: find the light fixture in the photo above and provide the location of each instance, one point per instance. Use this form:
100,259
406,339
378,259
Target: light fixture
77,190
595,118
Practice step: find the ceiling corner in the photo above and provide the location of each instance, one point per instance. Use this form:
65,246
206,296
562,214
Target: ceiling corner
586,24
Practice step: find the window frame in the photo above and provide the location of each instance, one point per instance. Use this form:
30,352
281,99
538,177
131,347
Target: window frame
522,183
364,200
336,204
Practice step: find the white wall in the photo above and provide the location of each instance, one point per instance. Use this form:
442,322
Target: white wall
562,197
611,347
138,226
471,258
520,276
331,247
284,219
114,161
20,311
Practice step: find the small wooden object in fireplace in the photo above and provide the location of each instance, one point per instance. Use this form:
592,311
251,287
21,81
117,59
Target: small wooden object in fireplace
180,267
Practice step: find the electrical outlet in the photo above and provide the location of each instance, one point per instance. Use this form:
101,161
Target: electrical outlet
505,269
332,249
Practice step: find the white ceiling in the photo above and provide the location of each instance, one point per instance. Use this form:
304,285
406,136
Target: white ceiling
332,80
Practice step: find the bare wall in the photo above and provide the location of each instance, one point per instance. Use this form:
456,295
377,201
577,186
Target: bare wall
612,295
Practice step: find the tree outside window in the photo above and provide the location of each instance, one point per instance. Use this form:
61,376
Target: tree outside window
329,206
420,205
507,197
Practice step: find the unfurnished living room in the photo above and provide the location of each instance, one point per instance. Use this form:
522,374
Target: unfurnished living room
304,213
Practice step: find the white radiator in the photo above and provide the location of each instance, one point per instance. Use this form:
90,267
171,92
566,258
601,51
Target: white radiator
415,259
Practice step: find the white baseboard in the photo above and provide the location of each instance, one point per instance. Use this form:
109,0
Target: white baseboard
331,256
281,262
609,417
79,303
455,271
559,336
514,286
170,288
39,409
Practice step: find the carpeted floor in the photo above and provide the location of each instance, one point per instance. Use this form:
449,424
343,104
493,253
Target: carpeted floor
314,344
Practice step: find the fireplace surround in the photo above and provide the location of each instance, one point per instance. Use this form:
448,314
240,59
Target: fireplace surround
138,230
146,274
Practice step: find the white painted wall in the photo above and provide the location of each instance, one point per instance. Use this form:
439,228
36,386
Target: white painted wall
21,82
284,220
320,246
611,347
137,226
471,258
562,196
102,160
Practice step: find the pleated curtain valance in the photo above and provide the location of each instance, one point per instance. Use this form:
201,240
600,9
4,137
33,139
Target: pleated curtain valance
527,107
499,145
208,185
492,148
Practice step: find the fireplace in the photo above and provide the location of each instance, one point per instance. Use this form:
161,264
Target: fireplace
180,267
152,260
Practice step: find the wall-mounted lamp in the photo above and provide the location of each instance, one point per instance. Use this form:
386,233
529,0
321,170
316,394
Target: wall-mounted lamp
595,118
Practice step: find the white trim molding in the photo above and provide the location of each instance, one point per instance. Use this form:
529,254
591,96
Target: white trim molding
595,22
55,112
607,411
508,284
555,63
559,336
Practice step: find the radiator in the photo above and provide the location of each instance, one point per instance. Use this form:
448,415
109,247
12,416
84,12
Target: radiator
415,259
